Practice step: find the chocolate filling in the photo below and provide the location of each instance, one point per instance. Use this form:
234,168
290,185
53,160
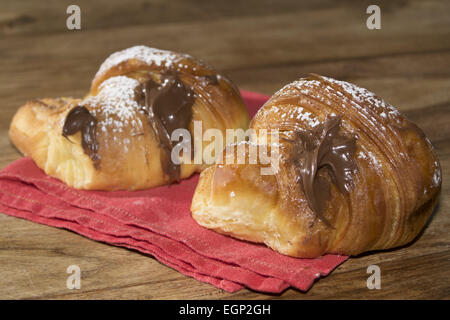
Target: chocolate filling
80,119
323,156
168,106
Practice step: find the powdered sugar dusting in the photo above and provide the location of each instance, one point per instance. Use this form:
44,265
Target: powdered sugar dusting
437,175
362,95
293,114
358,95
150,56
302,85
115,105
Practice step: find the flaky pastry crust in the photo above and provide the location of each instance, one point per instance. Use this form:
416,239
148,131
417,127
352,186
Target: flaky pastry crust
109,142
390,176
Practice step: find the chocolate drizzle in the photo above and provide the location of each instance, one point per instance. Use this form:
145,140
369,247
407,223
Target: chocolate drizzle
168,106
322,156
80,119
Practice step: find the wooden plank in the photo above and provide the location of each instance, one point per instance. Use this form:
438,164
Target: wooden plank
31,17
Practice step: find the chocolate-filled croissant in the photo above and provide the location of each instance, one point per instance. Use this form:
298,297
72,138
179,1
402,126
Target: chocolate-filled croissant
353,175
119,136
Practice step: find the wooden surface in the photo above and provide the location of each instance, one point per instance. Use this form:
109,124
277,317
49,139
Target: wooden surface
261,46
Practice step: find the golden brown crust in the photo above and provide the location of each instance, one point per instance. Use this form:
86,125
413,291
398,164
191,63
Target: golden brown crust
128,148
395,186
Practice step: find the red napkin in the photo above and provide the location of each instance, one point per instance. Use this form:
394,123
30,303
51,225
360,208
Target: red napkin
158,222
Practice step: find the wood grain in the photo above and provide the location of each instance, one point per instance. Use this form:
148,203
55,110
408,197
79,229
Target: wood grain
261,46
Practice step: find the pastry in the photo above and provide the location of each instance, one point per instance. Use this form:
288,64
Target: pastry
118,137
353,175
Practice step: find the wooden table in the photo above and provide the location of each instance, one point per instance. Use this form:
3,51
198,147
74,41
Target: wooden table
261,46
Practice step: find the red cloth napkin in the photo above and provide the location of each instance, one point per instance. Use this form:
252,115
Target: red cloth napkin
158,222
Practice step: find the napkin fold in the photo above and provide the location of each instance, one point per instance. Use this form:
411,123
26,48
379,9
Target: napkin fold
158,222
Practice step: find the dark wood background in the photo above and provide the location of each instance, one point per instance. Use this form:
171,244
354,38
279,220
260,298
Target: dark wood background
261,45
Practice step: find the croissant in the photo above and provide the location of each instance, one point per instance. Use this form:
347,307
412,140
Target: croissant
118,137
353,175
